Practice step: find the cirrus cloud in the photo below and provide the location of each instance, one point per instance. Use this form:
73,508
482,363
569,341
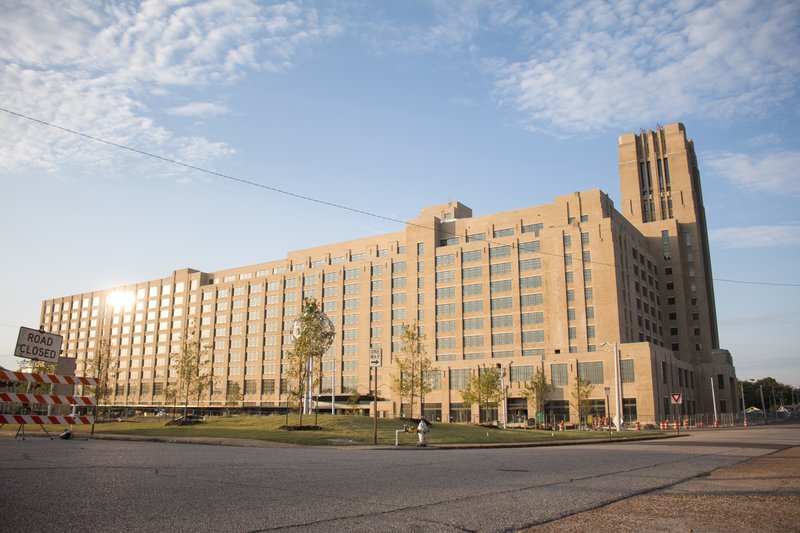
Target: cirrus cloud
91,67
616,64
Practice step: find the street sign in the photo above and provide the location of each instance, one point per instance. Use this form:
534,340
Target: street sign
375,357
677,398
608,391
35,344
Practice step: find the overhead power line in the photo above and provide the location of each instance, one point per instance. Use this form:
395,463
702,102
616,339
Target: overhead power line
310,198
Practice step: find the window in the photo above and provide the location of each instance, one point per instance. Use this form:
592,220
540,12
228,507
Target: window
502,321
471,273
558,374
459,378
353,273
499,251
720,381
471,256
499,339
473,341
473,323
591,371
532,318
446,325
450,241
532,228
500,286
529,300
530,282
507,232
530,264
472,307
501,303
472,290
447,342
448,259
500,269
532,336
567,241
446,292
445,309
584,238
445,276
528,247
399,266
476,237
399,283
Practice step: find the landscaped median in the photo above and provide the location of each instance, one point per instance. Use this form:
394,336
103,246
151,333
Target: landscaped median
335,431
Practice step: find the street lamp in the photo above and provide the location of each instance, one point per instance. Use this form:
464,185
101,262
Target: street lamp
617,390
502,371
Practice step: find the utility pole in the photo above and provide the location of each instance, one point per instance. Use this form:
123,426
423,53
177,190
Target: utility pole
713,398
763,405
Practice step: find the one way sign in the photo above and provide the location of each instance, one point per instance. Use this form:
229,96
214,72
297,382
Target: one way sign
677,398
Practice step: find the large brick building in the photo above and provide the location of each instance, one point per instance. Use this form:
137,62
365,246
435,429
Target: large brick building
559,286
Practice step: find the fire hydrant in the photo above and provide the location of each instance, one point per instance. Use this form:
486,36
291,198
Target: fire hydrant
422,433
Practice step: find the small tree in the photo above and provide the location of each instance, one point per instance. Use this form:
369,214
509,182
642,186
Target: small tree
313,333
580,395
536,391
484,388
233,394
100,367
353,399
413,367
191,365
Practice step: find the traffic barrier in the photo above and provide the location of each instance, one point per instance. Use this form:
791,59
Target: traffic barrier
716,423
47,378
49,399
43,419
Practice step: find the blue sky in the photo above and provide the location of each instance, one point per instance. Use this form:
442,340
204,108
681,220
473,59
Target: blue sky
386,107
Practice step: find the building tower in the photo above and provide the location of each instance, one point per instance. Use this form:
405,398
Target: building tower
663,199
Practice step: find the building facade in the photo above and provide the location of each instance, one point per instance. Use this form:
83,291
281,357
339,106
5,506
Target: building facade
559,287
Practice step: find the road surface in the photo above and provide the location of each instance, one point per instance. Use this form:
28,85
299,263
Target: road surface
99,485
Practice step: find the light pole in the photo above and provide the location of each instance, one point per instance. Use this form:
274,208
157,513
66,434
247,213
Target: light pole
617,389
502,370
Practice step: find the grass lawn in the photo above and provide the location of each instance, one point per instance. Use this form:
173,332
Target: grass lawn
336,430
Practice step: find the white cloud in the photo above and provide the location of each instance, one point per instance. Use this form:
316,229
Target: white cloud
775,172
199,110
91,67
618,64
756,237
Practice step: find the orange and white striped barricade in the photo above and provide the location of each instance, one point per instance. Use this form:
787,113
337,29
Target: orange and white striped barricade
46,399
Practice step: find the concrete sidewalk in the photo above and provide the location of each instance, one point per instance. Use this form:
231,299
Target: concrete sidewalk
761,494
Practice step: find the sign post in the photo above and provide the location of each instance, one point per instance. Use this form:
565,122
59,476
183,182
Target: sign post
677,399
375,358
608,407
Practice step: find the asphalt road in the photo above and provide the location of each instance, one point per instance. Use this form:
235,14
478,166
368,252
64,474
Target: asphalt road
95,485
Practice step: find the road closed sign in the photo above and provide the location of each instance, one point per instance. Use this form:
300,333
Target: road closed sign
35,344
